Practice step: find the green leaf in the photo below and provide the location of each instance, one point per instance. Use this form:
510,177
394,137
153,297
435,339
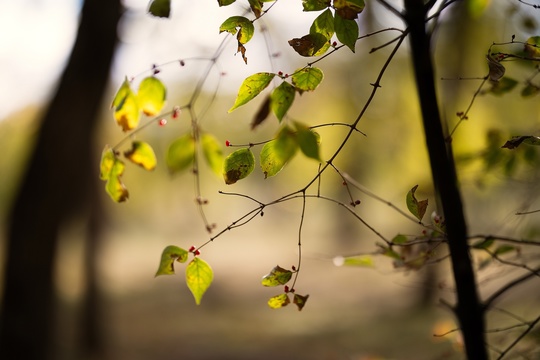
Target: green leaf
160,8
391,253
281,99
503,86
307,79
503,249
483,244
529,90
151,95
308,141
238,165
126,107
315,5
417,208
181,153
300,301
361,260
256,7
346,31
400,239
142,154
169,255
199,276
111,170
349,9
239,24
212,153
323,25
276,153
225,2
279,301
532,48
251,87
277,276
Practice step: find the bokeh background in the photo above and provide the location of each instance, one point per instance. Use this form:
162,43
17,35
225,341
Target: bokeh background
353,312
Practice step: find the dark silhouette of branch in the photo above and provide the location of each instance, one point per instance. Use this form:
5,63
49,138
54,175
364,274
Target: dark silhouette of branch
490,300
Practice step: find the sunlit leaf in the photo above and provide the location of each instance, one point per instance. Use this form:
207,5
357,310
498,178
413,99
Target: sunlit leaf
277,276
315,5
310,45
225,2
276,153
279,301
417,208
199,276
251,87
361,260
241,25
142,154
503,86
503,249
181,153
151,95
262,114
281,99
160,8
496,69
400,239
349,9
107,162
308,141
238,165
126,107
307,79
323,25
532,48
169,255
300,301
212,153
114,186
346,31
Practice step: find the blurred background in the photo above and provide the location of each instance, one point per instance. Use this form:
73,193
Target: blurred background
102,256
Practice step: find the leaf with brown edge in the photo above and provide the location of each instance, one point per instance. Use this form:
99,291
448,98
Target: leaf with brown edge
349,9
279,301
142,154
169,255
310,45
300,301
126,107
417,208
262,114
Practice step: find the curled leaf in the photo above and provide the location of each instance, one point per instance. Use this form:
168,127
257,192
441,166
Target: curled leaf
142,154
169,255
417,208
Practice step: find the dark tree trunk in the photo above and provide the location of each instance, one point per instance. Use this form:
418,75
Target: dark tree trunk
55,186
469,311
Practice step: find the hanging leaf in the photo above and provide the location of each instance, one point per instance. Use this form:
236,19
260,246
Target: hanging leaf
256,7
300,301
307,79
346,31
151,95
503,86
169,255
277,276
126,108
417,208
225,2
276,153
281,99
212,153
323,25
238,165
496,69
199,276
241,25
279,301
181,153
142,154
262,114
515,141
315,5
310,45
349,9
107,162
400,240
251,87
111,170
160,8
308,141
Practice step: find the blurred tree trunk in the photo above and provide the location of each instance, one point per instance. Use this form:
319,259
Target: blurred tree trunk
55,187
